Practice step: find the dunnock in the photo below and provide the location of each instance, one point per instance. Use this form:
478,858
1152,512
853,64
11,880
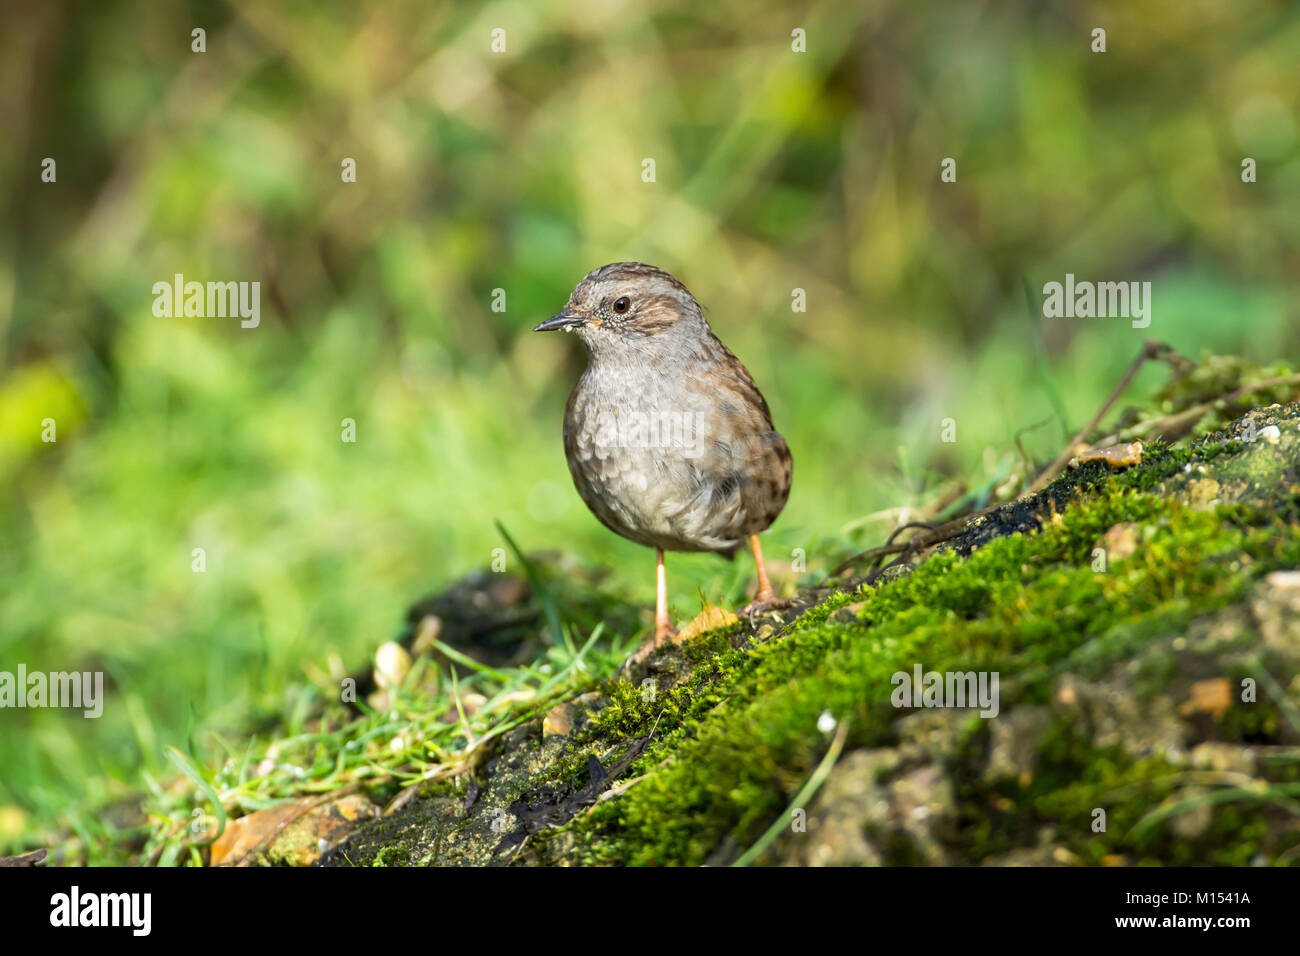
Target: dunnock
668,439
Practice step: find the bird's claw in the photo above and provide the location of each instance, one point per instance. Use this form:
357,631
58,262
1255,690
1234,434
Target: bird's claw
762,605
663,637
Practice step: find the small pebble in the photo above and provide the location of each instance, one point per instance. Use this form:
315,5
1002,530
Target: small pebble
391,664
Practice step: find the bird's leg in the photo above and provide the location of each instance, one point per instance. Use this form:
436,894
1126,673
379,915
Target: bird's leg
664,630
765,592
766,598
665,633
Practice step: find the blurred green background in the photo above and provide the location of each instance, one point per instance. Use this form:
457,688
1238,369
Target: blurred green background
521,170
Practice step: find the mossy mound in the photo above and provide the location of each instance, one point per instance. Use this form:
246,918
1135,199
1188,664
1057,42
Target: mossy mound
1144,624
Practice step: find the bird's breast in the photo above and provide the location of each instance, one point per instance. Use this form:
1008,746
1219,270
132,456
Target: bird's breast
668,462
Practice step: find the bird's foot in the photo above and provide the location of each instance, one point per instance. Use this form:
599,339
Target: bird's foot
762,605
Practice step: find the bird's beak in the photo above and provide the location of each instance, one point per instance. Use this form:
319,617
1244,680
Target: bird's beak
568,319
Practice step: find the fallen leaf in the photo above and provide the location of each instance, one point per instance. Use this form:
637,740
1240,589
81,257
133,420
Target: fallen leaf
1212,696
297,832
305,840
709,619
245,834
558,721
1116,456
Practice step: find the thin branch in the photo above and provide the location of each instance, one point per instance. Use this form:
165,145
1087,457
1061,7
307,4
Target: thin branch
1150,349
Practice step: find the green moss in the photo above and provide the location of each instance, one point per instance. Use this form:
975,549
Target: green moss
731,724
1024,605
392,855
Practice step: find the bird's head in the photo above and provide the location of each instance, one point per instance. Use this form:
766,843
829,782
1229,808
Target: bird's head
626,306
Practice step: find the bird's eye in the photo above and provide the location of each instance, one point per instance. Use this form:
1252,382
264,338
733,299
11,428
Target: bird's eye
621,304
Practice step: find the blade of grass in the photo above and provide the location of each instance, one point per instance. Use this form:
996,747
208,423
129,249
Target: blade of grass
1041,364
1281,792
461,658
539,587
801,798
188,767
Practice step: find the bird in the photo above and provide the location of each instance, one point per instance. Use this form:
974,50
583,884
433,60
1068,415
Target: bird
667,437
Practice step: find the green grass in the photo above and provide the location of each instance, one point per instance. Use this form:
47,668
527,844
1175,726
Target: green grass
315,546
776,171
